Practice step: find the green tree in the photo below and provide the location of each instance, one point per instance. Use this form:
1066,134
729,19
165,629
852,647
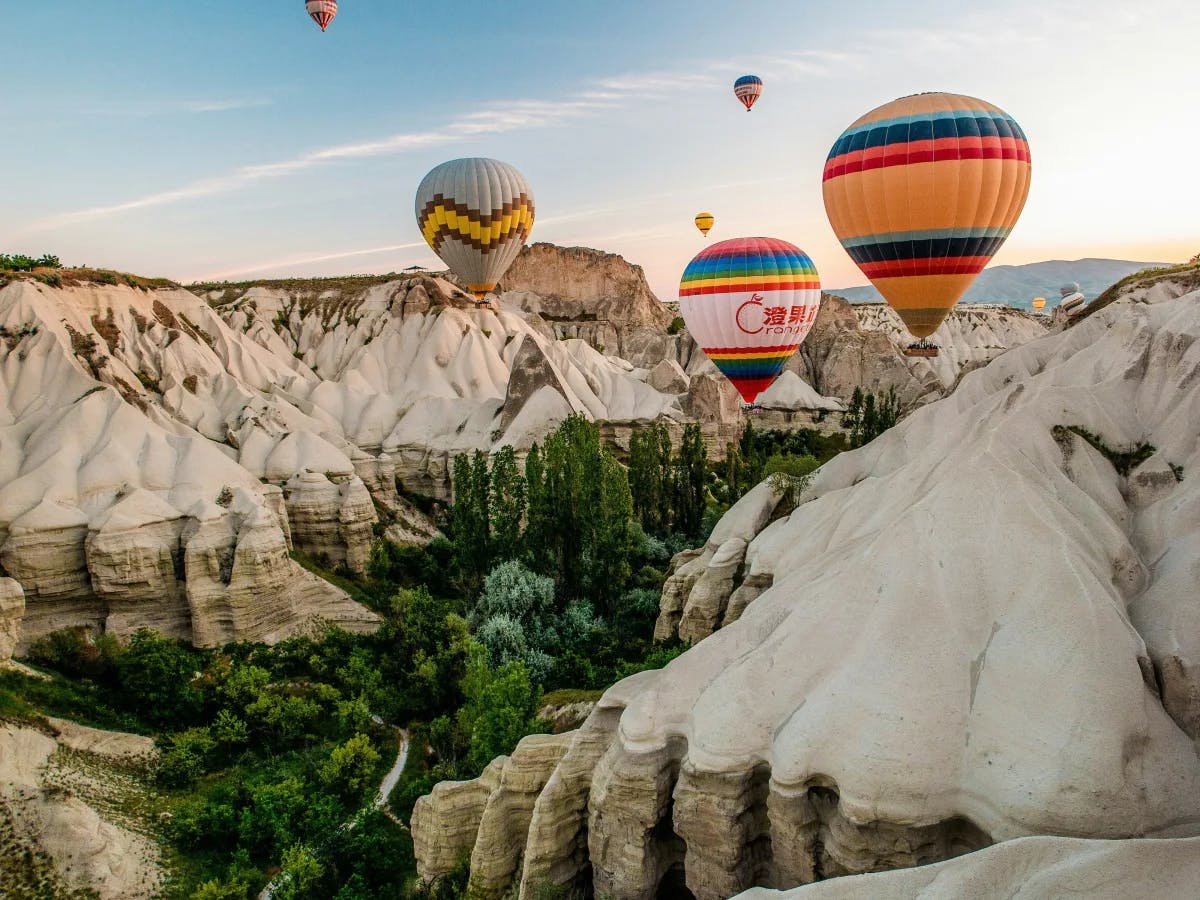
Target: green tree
157,676
423,646
651,477
300,873
852,417
501,709
350,766
691,481
507,505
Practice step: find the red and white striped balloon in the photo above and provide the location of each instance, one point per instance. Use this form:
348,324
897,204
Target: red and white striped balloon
322,11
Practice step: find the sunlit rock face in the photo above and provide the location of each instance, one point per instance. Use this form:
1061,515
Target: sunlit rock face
981,627
123,503
592,295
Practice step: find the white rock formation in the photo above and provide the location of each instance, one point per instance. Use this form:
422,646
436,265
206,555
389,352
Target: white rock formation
88,852
973,630
971,336
114,512
12,610
1033,868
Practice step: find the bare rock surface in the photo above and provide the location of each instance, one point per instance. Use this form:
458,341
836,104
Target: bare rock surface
50,821
1034,868
12,610
974,630
591,295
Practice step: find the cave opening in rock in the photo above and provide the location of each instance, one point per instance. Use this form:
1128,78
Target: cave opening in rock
673,885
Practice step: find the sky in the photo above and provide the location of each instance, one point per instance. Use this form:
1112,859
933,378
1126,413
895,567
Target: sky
226,139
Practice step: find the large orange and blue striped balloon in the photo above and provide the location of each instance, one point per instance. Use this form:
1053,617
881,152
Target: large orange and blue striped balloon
922,192
749,303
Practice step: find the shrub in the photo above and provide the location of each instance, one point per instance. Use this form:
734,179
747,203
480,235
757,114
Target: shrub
184,760
676,326
350,766
157,677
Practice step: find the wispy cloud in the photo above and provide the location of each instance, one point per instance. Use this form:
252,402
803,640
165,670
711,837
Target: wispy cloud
291,262
144,109
605,94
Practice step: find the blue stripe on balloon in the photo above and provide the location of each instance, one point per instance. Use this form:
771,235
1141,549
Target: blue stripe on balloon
929,234
931,126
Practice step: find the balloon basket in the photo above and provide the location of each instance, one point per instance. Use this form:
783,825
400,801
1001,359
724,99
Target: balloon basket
926,352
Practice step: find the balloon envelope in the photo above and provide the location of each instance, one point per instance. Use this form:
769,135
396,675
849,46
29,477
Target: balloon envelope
922,192
476,214
1039,303
322,11
748,89
704,221
748,303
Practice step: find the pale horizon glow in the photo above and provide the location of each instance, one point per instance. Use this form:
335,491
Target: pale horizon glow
270,150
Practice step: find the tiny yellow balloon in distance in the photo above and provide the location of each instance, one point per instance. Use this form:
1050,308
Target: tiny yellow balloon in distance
705,221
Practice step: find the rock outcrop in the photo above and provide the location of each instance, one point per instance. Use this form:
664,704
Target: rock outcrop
12,610
331,519
697,599
62,842
1037,868
594,296
976,629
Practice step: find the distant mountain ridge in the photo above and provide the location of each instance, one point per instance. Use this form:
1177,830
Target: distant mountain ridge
1018,285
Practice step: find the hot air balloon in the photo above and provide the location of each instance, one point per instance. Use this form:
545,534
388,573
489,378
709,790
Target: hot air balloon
748,89
749,302
704,221
1039,303
476,214
922,192
1072,298
321,11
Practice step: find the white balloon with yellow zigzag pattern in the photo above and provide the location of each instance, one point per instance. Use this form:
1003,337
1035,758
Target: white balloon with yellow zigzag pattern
476,214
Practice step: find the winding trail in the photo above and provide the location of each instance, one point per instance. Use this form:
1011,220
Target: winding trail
380,802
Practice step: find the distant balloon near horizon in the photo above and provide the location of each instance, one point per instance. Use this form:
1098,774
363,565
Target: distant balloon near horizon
476,214
922,192
748,89
322,11
1072,297
1039,303
705,222
749,303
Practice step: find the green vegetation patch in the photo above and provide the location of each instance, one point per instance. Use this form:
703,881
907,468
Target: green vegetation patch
1124,459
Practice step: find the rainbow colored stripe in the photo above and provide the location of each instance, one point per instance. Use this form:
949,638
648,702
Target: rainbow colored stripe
724,278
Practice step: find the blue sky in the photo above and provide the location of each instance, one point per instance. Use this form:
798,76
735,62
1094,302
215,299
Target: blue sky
231,139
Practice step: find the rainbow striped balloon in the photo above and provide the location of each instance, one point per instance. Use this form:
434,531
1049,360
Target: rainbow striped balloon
749,303
922,192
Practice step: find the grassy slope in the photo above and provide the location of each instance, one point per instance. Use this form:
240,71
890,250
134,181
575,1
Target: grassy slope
1188,274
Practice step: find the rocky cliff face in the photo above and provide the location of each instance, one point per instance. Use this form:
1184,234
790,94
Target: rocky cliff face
595,296
976,629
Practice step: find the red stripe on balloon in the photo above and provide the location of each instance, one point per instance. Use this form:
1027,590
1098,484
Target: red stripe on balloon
926,151
950,265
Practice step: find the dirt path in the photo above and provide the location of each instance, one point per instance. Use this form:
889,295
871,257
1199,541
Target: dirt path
380,802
